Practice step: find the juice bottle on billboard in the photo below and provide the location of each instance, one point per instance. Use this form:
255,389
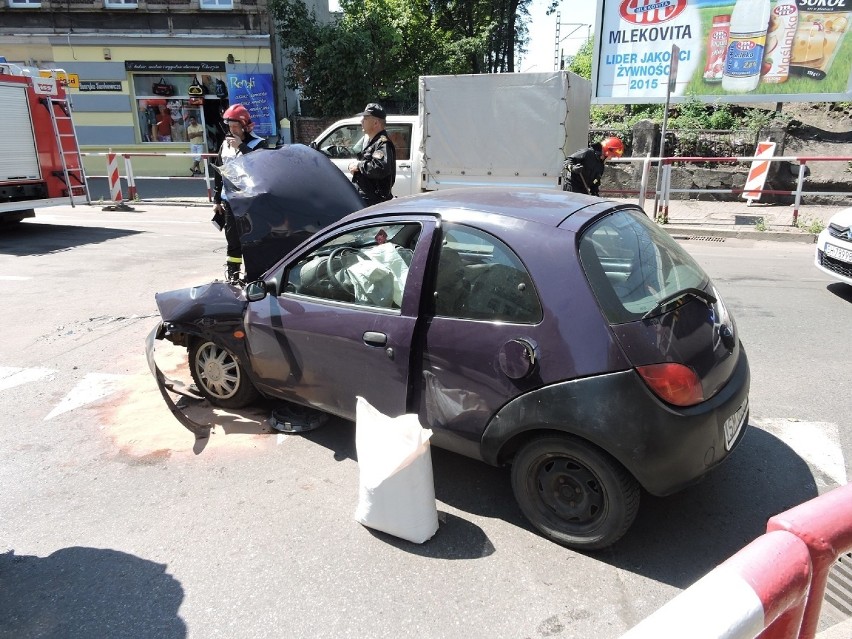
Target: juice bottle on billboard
717,46
783,20
746,42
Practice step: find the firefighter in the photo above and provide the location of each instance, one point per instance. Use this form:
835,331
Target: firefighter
583,170
238,141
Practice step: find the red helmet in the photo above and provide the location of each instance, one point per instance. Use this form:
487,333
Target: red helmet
612,147
238,113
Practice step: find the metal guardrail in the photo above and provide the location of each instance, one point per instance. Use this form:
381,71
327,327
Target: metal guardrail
662,198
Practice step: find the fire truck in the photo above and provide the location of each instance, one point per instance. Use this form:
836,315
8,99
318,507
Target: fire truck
40,164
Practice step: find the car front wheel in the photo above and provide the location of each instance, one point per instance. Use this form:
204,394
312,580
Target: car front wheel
219,376
573,492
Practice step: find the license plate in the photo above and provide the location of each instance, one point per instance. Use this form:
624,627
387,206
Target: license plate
838,253
734,424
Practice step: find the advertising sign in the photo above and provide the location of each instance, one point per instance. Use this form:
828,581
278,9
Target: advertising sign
730,50
254,92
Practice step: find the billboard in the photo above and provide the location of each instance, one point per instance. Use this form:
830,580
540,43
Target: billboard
254,92
730,50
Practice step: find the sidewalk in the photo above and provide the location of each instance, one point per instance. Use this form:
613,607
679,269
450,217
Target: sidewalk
691,218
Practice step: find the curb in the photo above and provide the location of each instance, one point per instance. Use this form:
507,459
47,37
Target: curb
694,232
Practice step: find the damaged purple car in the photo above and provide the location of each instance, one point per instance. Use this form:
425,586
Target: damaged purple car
564,336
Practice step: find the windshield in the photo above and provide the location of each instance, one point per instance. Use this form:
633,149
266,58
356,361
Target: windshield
632,265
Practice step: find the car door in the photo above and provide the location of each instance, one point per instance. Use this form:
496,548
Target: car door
324,343
343,143
479,341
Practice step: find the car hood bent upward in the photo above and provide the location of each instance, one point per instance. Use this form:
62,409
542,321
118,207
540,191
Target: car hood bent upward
281,197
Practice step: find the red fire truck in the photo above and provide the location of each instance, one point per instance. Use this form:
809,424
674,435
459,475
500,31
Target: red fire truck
40,164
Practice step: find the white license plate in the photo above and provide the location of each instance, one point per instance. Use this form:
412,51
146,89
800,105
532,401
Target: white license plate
838,253
734,424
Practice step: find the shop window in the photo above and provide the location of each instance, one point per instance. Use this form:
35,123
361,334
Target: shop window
164,118
216,4
29,4
120,4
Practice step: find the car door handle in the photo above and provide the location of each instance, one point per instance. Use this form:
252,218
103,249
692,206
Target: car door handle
372,338
405,166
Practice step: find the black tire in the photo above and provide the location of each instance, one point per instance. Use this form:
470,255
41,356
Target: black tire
219,376
573,492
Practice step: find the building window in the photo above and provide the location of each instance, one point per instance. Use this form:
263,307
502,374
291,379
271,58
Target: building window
120,4
28,4
220,5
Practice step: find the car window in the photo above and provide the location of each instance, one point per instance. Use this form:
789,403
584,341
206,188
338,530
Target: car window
367,266
479,277
632,264
400,135
344,142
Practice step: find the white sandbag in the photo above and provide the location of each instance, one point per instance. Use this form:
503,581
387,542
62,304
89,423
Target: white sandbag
397,490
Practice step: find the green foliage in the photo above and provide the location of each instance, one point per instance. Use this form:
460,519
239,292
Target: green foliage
379,48
811,226
581,62
760,225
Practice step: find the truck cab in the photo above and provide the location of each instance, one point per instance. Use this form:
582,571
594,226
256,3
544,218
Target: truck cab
342,141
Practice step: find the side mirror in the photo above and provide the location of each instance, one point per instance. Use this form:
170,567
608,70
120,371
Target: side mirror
256,291
313,144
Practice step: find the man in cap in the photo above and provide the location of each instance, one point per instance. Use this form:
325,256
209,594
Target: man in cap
375,171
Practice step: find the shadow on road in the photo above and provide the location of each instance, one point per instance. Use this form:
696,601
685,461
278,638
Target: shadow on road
80,593
43,239
675,540
841,290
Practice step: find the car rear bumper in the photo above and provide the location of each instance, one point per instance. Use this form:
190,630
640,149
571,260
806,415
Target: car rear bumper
664,447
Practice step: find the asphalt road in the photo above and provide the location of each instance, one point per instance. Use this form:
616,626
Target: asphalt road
115,523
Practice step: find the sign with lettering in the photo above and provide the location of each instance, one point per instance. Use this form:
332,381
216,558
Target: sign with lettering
71,80
254,92
726,50
181,66
99,85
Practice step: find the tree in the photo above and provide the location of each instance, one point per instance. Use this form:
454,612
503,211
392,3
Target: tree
379,48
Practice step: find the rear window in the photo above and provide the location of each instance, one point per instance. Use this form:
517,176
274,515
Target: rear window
632,264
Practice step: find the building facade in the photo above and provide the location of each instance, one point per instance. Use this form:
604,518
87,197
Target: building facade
138,70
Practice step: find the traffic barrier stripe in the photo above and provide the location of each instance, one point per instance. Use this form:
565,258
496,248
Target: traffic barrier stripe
757,173
741,598
114,179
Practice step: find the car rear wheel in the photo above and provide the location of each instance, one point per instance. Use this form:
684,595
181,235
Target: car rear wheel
573,492
219,376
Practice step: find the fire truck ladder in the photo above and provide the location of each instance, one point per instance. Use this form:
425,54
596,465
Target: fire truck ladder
74,177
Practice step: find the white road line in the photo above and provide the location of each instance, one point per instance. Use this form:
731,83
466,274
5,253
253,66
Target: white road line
11,377
818,443
91,388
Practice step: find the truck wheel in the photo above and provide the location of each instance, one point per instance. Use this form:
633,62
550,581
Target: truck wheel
219,376
573,492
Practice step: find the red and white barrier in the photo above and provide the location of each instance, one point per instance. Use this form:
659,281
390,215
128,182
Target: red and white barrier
758,171
759,591
114,178
824,524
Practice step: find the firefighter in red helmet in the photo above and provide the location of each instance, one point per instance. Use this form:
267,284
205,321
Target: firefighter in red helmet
583,170
238,141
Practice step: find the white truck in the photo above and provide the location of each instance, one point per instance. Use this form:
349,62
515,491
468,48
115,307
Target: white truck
507,129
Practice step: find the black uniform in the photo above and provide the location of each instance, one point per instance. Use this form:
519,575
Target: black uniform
584,170
376,170
232,236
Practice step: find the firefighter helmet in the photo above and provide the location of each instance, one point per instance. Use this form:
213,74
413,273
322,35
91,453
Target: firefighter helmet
612,147
238,113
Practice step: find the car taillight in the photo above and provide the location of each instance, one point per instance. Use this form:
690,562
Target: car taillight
673,383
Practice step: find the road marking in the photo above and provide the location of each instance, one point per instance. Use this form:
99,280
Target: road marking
91,388
818,443
11,377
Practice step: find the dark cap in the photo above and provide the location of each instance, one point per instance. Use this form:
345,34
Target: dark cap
375,110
